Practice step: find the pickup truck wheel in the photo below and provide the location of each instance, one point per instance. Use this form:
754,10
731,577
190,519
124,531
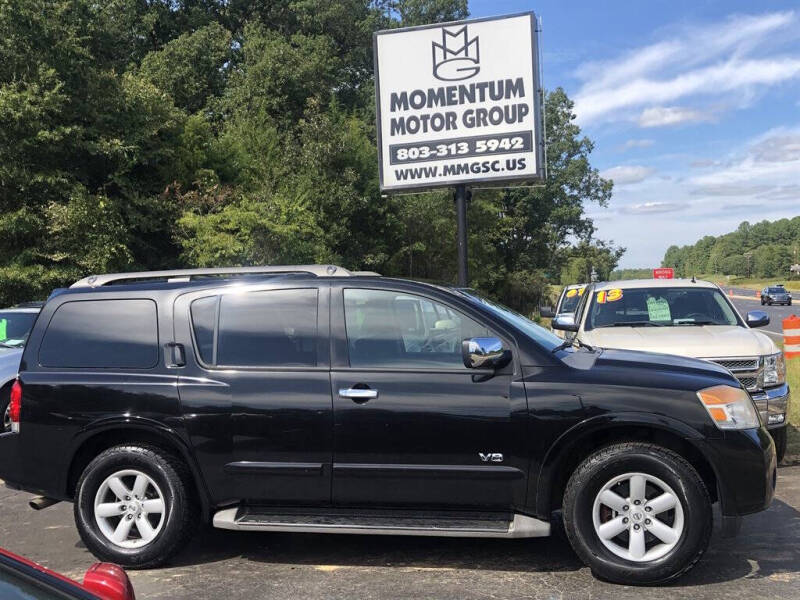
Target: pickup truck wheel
134,506
637,513
779,436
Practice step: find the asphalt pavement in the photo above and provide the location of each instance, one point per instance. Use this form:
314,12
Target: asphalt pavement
762,562
745,300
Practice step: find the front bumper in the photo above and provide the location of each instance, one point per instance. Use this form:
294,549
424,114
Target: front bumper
746,470
773,405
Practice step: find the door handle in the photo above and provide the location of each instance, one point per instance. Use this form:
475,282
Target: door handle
358,395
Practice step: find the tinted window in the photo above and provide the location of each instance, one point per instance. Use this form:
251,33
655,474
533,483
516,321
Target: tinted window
204,321
395,329
102,334
268,329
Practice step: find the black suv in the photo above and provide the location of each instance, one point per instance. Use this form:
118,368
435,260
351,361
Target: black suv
312,399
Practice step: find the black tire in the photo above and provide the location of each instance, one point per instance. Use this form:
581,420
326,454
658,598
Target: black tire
779,436
181,509
5,398
612,461
762,302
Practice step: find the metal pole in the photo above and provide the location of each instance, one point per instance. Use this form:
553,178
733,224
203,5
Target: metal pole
462,196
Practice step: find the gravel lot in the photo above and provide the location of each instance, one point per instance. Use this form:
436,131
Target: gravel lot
763,562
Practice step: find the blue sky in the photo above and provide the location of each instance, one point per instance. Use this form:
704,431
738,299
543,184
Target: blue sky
694,108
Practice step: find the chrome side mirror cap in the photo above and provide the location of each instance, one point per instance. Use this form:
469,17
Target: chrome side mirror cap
564,323
484,353
757,318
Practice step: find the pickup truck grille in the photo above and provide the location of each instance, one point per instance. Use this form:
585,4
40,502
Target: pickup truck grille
747,370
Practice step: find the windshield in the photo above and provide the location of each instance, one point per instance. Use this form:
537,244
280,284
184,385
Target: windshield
777,290
537,333
15,327
570,299
659,307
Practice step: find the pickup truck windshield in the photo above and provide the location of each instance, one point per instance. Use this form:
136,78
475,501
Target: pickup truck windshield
15,327
570,299
537,333
659,307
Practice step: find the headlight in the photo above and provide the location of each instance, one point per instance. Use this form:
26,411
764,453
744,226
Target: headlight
774,369
729,407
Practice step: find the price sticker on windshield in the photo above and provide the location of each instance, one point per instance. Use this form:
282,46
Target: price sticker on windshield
604,296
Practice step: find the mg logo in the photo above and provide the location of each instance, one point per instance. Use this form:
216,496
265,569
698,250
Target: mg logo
457,57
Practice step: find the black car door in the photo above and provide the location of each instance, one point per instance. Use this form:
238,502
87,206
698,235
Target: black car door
413,427
256,391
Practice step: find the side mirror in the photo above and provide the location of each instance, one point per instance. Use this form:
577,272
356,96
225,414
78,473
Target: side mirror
564,323
547,312
484,353
757,318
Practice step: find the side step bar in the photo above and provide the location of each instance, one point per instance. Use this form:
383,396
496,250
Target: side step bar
521,526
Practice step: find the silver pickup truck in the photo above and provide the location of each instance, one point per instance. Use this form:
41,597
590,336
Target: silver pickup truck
689,318
15,325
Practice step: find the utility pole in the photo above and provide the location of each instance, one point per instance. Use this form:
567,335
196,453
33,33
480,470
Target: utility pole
462,196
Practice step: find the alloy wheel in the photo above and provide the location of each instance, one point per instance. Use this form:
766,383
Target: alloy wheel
129,509
638,517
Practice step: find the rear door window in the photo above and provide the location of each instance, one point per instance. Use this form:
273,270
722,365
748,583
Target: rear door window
102,334
273,328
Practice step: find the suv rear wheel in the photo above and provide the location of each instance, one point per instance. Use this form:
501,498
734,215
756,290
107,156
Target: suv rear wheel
637,513
134,506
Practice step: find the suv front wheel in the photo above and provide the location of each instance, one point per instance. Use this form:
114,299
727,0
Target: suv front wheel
134,506
637,513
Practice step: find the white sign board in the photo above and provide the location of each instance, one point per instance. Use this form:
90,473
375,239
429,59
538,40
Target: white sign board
459,103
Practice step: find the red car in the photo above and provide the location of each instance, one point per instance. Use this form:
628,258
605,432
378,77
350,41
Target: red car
22,579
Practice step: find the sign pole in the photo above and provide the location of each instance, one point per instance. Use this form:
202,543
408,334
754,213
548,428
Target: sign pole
462,196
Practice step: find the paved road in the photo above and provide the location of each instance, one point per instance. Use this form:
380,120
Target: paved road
776,313
763,562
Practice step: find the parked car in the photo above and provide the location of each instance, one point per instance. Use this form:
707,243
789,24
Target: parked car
690,318
22,579
312,399
567,303
15,325
776,294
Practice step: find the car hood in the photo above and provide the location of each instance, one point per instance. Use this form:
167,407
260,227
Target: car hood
9,363
702,341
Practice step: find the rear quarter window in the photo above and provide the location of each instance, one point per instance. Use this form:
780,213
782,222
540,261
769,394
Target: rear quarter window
102,334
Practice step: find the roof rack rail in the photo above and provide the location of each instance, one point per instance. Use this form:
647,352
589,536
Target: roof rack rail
94,281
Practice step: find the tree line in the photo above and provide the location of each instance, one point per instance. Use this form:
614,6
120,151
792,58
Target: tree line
175,133
765,249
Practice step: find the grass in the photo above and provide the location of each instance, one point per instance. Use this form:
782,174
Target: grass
751,283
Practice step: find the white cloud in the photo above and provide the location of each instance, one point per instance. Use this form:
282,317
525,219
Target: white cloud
728,62
769,161
636,143
659,116
650,208
627,174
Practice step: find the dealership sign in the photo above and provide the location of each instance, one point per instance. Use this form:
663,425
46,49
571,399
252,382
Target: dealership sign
459,103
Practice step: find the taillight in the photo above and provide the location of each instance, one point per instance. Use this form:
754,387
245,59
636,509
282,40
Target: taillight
15,405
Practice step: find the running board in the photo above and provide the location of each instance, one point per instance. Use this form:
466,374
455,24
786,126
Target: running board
242,519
